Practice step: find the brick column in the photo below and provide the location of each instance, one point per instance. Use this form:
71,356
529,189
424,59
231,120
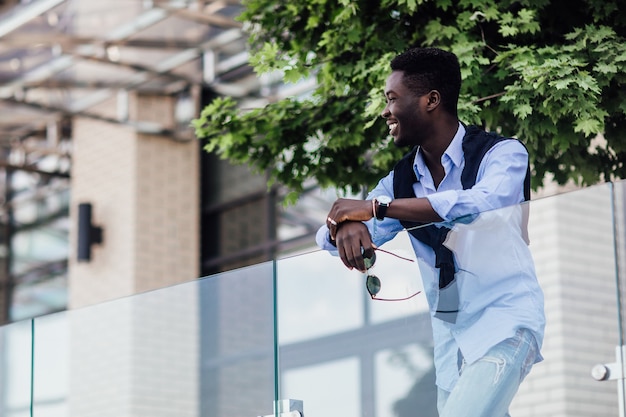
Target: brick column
137,356
145,195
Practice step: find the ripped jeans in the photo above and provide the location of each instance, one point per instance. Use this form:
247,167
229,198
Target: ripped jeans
486,387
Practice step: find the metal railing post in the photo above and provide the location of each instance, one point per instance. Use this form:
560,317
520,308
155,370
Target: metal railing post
613,371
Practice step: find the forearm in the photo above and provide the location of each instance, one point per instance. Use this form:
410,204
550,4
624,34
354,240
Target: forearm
403,209
413,209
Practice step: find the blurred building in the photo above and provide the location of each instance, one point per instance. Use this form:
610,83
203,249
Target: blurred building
95,104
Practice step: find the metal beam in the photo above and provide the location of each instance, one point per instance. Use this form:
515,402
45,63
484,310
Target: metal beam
142,22
5,165
25,14
208,19
27,40
37,74
147,128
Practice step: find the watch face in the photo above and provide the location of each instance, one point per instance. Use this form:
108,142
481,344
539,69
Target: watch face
383,199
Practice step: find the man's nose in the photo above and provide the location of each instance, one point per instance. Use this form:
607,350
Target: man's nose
385,113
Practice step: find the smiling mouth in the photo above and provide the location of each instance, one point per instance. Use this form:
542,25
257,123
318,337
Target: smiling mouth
392,128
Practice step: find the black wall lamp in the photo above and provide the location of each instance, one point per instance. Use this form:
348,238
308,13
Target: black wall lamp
88,234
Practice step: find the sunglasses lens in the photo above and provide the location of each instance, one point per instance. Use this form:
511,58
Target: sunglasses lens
369,260
373,285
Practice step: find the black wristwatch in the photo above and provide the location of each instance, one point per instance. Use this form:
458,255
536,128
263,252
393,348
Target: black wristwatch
382,204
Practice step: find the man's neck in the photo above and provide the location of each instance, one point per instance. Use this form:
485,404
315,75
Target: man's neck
439,142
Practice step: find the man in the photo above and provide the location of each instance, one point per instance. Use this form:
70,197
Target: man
487,316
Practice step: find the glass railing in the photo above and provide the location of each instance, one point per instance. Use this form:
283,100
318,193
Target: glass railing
304,328
345,354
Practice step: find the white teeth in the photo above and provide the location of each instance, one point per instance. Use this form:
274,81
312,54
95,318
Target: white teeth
392,127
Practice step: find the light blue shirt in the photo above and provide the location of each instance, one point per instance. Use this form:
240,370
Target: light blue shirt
498,288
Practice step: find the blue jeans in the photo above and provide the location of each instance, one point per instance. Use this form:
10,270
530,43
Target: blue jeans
486,387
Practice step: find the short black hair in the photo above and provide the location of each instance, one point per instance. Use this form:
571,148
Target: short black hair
427,69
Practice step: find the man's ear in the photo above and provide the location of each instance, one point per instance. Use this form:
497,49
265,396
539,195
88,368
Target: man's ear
434,99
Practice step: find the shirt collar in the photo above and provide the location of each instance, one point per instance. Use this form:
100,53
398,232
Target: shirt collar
454,153
455,149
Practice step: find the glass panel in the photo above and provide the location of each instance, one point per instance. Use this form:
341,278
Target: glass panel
345,354
342,353
399,279
405,381
52,360
237,340
16,354
200,348
316,297
322,396
620,246
571,239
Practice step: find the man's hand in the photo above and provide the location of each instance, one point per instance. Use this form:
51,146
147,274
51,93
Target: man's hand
353,241
344,210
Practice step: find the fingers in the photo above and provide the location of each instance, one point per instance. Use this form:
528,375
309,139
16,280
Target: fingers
346,210
350,258
353,241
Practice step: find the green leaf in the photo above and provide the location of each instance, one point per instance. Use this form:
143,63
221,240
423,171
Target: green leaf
606,68
292,75
522,110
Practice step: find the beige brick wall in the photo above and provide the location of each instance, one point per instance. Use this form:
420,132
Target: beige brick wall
103,174
167,225
145,195
572,244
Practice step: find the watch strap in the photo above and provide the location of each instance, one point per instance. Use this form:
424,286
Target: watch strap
381,210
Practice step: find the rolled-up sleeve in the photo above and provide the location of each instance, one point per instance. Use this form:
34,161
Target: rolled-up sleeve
443,202
322,239
499,183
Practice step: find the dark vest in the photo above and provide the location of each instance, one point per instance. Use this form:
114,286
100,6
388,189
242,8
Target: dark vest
476,143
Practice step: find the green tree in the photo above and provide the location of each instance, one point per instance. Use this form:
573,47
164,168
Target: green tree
551,72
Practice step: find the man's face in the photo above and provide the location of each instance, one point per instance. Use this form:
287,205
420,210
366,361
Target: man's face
404,112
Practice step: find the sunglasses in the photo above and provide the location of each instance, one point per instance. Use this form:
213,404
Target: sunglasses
372,282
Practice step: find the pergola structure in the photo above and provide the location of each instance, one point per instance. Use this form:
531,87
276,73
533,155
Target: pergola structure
60,59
